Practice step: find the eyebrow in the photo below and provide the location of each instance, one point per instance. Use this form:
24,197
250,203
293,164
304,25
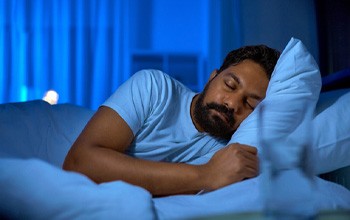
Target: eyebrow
238,81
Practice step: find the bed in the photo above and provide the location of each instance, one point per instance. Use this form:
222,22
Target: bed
36,136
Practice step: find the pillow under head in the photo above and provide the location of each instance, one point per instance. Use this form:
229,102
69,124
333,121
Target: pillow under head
293,91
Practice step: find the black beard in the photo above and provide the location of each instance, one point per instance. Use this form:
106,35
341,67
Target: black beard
213,125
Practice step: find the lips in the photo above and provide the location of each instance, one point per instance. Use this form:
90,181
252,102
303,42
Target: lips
221,115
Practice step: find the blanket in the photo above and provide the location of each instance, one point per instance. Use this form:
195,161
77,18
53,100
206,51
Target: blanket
34,189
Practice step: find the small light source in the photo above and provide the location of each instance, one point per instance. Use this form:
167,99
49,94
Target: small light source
51,97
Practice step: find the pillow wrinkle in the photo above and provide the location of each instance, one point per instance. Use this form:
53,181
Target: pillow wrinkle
331,142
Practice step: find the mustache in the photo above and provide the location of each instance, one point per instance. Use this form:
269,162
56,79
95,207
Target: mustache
222,109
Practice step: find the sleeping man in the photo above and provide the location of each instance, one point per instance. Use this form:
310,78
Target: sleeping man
154,132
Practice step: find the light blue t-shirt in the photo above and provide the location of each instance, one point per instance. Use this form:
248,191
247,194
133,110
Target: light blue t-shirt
157,109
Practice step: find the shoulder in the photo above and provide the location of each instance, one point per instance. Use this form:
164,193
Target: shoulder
152,79
151,75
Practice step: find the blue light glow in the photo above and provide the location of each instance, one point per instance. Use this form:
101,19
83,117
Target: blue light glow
85,49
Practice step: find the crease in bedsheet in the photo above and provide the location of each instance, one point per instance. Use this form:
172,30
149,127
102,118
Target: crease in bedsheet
242,197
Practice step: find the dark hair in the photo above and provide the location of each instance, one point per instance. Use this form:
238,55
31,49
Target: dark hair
261,54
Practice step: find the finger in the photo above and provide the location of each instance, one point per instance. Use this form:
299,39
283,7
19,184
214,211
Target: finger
250,160
249,149
245,156
249,155
251,172
252,164
245,147
248,171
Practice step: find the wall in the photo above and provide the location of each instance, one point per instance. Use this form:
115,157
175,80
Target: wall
333,18
170,36
102,43
274,22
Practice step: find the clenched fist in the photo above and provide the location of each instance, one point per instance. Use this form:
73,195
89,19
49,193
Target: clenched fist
231,164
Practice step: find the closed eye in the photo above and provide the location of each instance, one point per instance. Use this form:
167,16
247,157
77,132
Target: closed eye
249,105
231,87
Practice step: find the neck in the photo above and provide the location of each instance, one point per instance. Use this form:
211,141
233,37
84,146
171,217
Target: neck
193,104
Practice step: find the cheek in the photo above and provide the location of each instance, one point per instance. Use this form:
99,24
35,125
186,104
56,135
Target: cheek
213,94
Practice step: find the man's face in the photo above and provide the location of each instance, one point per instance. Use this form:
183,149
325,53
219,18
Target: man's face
229,98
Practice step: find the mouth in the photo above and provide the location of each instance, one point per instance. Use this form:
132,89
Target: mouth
221,115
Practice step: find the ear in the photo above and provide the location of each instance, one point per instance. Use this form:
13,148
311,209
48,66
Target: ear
213,75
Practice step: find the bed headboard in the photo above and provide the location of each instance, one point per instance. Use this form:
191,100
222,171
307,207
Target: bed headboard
337,80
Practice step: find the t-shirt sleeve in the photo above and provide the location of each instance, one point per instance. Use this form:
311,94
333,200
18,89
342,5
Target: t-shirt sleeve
134,99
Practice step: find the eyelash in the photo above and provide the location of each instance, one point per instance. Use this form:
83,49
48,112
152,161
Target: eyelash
229,86
250,106
232,88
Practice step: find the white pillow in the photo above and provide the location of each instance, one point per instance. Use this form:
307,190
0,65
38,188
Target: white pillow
40,130
294,84
294,87
332,131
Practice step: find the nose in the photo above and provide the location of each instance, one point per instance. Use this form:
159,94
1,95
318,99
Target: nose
234,102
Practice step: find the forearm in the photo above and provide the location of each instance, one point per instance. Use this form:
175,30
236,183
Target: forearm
103,165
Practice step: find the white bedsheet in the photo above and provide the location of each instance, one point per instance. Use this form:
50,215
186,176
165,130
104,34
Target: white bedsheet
34,189
243,197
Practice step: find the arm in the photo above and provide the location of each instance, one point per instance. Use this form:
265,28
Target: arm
99,153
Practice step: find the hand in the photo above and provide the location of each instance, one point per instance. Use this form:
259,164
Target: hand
231,164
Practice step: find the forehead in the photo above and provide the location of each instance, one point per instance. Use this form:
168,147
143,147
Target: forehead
247,68
248,74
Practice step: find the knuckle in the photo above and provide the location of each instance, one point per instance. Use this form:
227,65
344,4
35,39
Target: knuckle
235,150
